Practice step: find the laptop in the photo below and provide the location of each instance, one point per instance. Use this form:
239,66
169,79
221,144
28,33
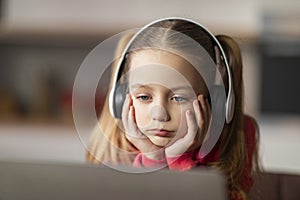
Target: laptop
36,181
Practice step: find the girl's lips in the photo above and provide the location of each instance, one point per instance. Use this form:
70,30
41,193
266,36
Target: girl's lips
161,132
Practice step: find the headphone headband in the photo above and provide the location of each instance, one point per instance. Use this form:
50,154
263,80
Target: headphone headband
230,100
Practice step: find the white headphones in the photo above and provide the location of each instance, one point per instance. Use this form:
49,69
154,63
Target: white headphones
118,92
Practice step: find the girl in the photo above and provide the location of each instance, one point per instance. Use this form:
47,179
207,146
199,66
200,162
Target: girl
166,114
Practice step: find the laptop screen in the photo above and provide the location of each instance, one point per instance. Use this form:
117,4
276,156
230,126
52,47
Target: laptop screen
83,181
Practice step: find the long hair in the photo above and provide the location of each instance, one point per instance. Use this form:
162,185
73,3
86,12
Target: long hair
232,157
108,138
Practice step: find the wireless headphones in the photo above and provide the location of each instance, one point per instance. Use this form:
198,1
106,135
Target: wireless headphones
118,92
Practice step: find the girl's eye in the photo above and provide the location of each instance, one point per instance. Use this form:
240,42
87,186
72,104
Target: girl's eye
143,97
178,99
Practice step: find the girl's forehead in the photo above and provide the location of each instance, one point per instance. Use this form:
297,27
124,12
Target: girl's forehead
157,74
156,56
161,66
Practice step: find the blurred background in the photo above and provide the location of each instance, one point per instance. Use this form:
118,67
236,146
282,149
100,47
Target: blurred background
43,43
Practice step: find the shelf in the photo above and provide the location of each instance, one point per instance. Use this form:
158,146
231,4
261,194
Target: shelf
58,35
91,34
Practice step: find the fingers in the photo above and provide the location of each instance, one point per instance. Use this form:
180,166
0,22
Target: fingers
127,113
192,127
182,144
132,128
134,135
128,119
197,123
198,113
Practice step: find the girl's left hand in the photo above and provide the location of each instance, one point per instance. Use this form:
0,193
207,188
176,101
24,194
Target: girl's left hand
135,136
197,123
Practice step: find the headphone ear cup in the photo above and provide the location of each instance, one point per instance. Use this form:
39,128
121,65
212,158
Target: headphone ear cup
119,98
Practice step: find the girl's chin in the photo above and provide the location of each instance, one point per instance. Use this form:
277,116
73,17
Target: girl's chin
160,141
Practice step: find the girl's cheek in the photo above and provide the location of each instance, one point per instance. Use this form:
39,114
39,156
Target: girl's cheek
141,116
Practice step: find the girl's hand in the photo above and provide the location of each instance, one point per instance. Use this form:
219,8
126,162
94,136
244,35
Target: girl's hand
135,136
197,123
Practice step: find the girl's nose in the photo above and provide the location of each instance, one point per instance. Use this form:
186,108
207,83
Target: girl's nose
159,113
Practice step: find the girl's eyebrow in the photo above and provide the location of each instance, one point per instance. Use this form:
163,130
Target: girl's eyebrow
184,87
137,85
176,88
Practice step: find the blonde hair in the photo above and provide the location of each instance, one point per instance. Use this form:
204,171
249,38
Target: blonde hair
232,158
107,137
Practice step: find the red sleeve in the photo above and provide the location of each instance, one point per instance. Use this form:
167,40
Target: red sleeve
184,162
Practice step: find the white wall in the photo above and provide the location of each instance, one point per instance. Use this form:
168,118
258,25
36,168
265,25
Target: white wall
232,15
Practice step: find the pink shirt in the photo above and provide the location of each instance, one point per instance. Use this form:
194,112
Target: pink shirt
191,159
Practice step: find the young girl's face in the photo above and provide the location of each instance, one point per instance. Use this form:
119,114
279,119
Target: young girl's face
163,86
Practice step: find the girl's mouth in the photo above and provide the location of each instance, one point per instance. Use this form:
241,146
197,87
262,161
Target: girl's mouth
161,132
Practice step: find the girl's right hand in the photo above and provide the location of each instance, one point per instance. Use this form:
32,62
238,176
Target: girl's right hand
135,136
